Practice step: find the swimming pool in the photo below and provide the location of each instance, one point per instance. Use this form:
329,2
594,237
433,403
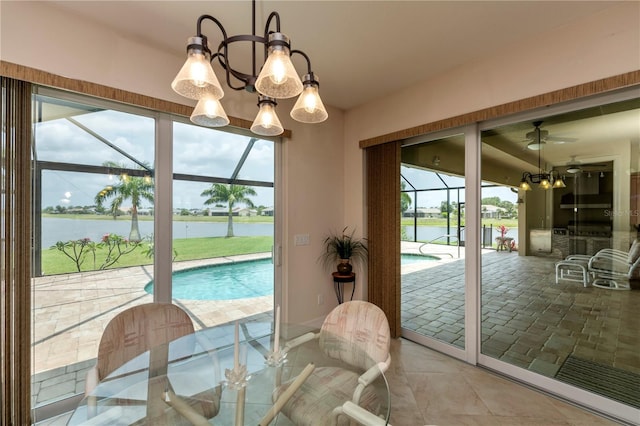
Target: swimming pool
229,281
408,259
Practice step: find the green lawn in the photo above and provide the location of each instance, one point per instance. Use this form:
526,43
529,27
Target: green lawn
55,262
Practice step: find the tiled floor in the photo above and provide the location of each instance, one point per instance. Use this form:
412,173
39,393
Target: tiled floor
527,319
429,388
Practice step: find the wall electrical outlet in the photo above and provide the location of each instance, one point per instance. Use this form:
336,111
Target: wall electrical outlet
301,239
320,299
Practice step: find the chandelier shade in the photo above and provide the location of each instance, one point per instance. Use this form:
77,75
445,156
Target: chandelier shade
196,78
542,179
209,113
267,122
277,79
309,107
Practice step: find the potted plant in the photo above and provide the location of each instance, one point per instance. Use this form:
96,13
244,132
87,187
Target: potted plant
344,250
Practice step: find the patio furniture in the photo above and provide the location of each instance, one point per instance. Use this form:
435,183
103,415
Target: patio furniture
200,364
613,270
608,268
504,243
357,334
133,332
573,269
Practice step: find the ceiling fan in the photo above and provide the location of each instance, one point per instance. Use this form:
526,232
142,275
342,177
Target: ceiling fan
574,166
538,137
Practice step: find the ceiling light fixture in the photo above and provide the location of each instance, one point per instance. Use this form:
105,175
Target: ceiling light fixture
277,78
543,179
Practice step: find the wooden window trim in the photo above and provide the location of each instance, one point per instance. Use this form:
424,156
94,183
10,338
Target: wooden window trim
43,78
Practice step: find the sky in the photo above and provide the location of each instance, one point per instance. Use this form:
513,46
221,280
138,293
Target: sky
97,137
421,179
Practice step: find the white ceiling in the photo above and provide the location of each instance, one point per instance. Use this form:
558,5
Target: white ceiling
361,50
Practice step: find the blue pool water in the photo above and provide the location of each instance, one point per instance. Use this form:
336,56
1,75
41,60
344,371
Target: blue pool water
238,280
408,259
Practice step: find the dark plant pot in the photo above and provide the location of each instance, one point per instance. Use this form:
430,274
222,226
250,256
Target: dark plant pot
344,267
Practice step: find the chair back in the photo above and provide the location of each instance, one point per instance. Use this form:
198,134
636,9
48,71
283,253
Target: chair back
356,332
138,329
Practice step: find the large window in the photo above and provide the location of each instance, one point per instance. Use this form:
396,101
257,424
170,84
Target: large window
98,227
92,231
223,224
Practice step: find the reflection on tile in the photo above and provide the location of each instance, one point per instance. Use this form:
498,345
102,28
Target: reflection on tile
429,388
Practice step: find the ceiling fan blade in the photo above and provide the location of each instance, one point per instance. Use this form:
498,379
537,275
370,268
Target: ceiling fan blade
560,140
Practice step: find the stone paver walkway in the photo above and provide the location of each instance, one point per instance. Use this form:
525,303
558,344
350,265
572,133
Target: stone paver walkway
527,319
72,310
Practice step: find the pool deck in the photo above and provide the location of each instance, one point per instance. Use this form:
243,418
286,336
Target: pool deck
71,310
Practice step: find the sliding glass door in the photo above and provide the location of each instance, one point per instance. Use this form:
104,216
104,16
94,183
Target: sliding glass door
433,235
548,220
558,298
223,224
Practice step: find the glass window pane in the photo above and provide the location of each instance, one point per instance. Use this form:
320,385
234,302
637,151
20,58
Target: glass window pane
87,135
432,241
556,296
93,233
206,152
223,232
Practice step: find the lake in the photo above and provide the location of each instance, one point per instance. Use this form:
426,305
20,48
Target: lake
59,229
54,229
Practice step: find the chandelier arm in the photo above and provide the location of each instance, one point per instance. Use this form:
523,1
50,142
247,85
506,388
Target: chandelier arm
223,59
304,55
223,44
266,31
215,21
268,24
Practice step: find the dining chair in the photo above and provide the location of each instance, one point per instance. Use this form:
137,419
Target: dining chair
355,333
136,330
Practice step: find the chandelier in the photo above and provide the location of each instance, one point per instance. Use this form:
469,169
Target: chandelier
277,78
543,179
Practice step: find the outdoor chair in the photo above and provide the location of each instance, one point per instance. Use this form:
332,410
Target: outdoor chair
356,333
136,330
608,268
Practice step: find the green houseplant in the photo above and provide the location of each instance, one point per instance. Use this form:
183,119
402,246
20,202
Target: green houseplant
344,250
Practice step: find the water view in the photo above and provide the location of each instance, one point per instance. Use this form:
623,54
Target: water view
62,229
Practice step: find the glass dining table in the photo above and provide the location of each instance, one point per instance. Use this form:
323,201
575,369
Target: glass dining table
224,375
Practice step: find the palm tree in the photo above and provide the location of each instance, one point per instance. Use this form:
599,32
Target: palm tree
405,198
134,188
230,194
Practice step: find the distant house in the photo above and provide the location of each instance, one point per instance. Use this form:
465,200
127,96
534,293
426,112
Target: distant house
221,211
492,212
245,212
267,211
430,212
